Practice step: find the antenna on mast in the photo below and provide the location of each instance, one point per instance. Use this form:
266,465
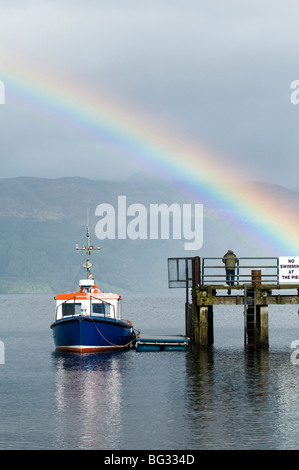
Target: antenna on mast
88,248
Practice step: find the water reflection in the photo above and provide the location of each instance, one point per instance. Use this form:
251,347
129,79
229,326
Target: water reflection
88,400
216,399
285,390
232,402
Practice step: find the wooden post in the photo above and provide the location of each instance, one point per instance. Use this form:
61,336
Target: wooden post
263,327
203,327
195,326
202,318
210,325
189,315
256,277
196,271
203,335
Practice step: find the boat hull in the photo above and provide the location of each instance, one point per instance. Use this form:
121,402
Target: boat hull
87,334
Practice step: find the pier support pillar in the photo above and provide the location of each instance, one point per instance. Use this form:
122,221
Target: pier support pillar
188,320
203,326
263,327
256,331
203,332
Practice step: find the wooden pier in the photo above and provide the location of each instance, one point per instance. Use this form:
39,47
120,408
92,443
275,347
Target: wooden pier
256,286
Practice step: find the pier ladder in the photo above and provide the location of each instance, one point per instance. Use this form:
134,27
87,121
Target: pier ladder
250,316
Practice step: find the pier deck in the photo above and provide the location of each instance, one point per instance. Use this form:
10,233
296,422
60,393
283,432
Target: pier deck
234,295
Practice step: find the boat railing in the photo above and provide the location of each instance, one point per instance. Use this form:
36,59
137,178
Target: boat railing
104,302
64,302
90,311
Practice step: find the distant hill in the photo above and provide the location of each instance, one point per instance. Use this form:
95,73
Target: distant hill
42,220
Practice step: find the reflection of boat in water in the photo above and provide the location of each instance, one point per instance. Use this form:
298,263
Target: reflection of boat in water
90,320
85,383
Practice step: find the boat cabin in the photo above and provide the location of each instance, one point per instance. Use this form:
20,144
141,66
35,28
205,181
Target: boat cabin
89,301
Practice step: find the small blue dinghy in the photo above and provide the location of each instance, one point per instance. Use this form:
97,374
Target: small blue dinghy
161,343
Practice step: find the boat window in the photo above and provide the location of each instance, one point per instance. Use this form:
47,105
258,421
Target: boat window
71,309
98,308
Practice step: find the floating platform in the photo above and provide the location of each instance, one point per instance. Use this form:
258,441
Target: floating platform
161,343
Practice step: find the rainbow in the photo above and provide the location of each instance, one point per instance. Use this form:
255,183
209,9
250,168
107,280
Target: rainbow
256,212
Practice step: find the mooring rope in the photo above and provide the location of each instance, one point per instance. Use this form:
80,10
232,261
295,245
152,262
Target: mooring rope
107,341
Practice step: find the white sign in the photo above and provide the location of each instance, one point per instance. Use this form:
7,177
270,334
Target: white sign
289,269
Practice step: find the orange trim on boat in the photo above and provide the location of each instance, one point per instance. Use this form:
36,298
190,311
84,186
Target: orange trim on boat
87,295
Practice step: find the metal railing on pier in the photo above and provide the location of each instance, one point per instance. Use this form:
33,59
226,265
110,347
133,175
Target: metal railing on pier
213,271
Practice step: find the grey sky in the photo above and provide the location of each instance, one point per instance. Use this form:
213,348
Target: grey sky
218,71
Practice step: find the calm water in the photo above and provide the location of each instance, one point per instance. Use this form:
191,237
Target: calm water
225,399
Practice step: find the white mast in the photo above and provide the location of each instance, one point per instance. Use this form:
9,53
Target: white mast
88,248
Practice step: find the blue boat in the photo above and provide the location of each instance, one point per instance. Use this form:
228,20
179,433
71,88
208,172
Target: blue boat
90,320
